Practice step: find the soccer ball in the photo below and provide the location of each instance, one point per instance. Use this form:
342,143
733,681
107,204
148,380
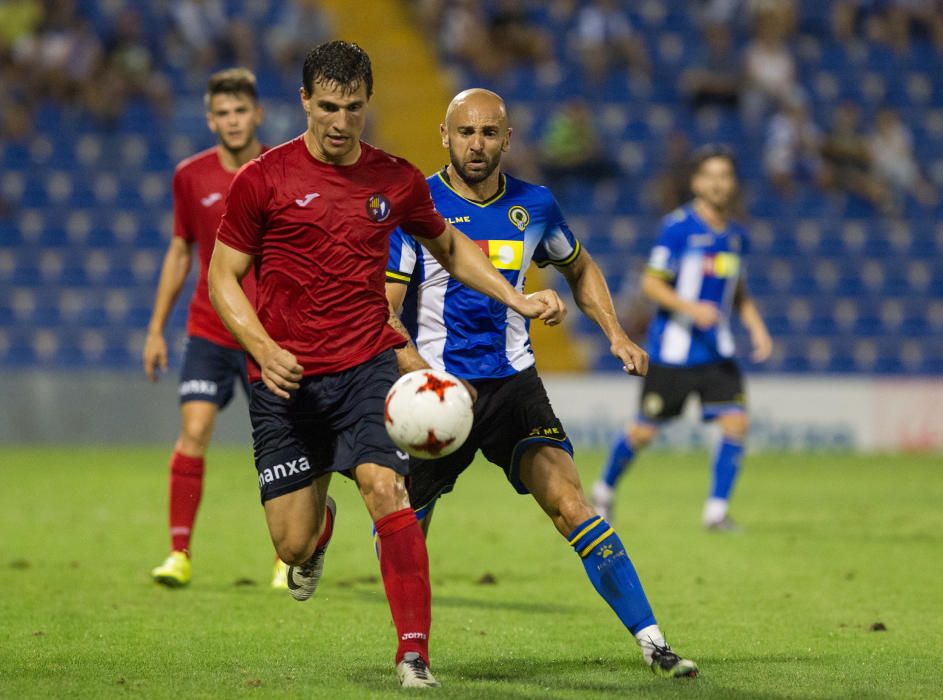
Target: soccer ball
428,413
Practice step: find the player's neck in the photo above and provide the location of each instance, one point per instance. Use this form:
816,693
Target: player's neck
233,160
712,216
478,191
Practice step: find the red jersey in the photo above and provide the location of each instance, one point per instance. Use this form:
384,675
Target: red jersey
199,188
320,236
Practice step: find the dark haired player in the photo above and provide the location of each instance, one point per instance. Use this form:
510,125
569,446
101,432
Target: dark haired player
487,345
695,277
213,363
314,217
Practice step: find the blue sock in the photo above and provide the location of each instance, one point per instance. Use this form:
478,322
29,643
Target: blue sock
620,456
611,572
726,467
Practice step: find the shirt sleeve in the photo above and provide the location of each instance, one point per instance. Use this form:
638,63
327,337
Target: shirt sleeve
665,258
558,246
403,257
421,218
242,223
181,209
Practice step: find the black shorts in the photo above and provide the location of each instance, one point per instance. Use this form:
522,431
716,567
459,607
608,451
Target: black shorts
719,386
511,415
210,372
333,423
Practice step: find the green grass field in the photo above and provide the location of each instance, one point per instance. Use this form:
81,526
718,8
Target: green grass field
833,544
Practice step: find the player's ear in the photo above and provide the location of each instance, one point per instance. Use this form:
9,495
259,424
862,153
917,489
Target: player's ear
305,98
507,140
259,113
444,133
210,123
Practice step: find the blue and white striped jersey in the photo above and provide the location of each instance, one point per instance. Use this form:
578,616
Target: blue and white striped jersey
703,265
458,329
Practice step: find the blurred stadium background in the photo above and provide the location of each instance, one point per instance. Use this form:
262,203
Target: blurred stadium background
835,110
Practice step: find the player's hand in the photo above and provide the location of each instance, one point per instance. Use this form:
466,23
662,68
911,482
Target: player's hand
704,314
545,305
634,359
154,356
762,345
281,372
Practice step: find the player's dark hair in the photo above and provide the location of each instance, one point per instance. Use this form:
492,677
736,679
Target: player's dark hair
340,62
232,81
709,152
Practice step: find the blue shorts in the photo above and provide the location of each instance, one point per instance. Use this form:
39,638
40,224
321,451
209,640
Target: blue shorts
210,372
333,423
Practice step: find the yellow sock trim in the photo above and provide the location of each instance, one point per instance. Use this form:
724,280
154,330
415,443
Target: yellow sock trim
576,537
589,547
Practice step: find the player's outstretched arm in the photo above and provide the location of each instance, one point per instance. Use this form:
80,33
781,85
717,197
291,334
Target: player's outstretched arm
753,321
173,275
280,370
592,295
704,315
466,263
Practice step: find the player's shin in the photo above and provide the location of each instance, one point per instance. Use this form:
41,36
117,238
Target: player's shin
620,456
725,469
186,489
612,573
404,566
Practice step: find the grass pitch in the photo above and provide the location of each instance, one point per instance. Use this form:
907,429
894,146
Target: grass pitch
833,545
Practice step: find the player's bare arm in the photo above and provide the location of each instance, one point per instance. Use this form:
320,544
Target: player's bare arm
592,296
704,314
407,357
753,321
466,263
281,372
173,275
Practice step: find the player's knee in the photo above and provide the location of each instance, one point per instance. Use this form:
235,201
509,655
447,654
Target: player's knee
384,495
295,548
735,425
640,436
195,434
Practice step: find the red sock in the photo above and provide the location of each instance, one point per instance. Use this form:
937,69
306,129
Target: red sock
328,528
404,565
186,487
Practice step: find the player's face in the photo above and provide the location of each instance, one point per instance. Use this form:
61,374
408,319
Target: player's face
476,134
716,183
335,121
234,119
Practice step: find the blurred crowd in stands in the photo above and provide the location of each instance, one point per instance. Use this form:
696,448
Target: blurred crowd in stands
97,61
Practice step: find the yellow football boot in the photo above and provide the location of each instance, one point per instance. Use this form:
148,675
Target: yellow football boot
175,571
280,574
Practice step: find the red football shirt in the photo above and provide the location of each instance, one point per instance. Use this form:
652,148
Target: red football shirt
320,237
200,185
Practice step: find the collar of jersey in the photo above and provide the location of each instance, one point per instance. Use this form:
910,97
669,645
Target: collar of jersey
443,175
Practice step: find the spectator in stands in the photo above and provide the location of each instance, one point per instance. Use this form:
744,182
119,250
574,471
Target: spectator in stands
770,75
792,150
904,15
299,25
891,151
715,75
516,33
672,185
571,147
462,31
128,71
847,158
208,34
604,39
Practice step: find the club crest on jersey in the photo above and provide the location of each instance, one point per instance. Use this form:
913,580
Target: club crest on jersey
378,207
519,217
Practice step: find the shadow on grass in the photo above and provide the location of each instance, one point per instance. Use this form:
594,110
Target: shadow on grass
534,678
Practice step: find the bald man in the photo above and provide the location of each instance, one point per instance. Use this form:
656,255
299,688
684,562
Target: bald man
486,344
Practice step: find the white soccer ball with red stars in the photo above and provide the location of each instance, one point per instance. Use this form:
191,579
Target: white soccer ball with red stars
428,413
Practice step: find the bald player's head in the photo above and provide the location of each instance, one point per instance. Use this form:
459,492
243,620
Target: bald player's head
476,133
